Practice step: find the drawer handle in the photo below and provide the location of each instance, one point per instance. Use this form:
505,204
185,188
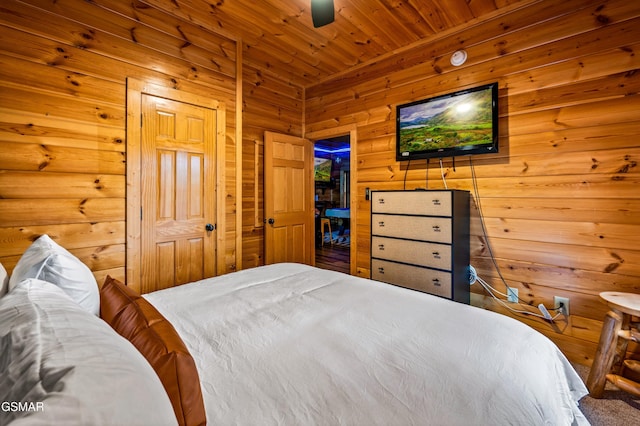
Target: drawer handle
435,228
436,282
381,247
436,255
381,201
381,224
436,202
381,269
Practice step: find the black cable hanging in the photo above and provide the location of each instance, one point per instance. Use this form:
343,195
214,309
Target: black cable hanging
404,184
426,177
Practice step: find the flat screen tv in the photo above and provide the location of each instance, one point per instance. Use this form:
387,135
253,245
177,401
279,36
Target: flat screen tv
322,169
460,123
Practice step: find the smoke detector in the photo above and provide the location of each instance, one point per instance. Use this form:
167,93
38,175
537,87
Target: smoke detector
458,58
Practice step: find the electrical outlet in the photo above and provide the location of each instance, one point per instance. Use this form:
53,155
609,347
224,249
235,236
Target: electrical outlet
512,295
557,300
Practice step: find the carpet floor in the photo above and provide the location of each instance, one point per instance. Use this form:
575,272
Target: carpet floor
615,408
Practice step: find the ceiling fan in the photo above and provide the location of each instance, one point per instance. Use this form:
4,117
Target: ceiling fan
321,12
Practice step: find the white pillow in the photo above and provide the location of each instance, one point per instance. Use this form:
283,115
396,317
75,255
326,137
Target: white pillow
71,366
48,261
4,281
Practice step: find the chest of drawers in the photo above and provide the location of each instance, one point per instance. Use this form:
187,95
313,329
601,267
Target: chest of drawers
420,240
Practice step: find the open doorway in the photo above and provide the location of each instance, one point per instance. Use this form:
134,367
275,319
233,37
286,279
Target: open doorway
332,174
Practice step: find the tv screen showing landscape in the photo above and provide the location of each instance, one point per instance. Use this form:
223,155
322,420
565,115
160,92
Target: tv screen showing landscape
322,169
460,123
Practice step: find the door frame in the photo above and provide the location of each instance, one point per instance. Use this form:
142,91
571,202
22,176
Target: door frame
351,130
135,89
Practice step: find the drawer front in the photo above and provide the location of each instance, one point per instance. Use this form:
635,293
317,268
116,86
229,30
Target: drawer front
414,252
434,229
432,203
414,277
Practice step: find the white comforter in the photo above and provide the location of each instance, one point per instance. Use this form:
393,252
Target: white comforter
294,345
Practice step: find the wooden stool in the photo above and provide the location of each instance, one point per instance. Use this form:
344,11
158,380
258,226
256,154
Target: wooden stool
326,221
617,331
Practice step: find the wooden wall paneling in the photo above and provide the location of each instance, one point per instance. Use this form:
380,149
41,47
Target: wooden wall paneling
62,115
561,281
568,161
264,121
614,136
86,37
221,49
584,91
575,342
264,53
561,195
261,59
587,329
258,187
270,104
362,236
594,259
25,127
615,164
415,83
585,115
17,212
602,163
624,74
102,260
423,51
485,40
39,157
253,202
23,185
130,28
261,84
45,104
537,187
239,161
101,257
16,239
273,105
36,49
598,210
48,79
579,233
287,120
279,36
615,69
231,203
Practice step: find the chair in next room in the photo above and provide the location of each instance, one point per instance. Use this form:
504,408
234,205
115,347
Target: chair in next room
326,222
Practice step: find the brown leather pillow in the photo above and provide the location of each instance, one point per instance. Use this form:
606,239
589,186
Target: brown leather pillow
139,321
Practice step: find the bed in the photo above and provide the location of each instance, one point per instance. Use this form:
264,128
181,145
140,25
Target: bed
290,344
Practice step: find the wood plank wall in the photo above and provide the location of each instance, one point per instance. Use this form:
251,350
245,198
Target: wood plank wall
63,71
268,104
561,200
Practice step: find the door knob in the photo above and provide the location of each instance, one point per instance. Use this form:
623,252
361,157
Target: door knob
271,221
209,227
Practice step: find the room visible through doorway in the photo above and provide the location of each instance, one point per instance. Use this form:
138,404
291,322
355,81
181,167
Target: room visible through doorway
332,202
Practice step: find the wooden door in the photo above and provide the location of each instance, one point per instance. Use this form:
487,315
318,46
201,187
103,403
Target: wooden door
178,193
289,199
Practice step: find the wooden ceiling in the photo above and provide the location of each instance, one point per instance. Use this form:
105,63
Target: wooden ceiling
278,35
